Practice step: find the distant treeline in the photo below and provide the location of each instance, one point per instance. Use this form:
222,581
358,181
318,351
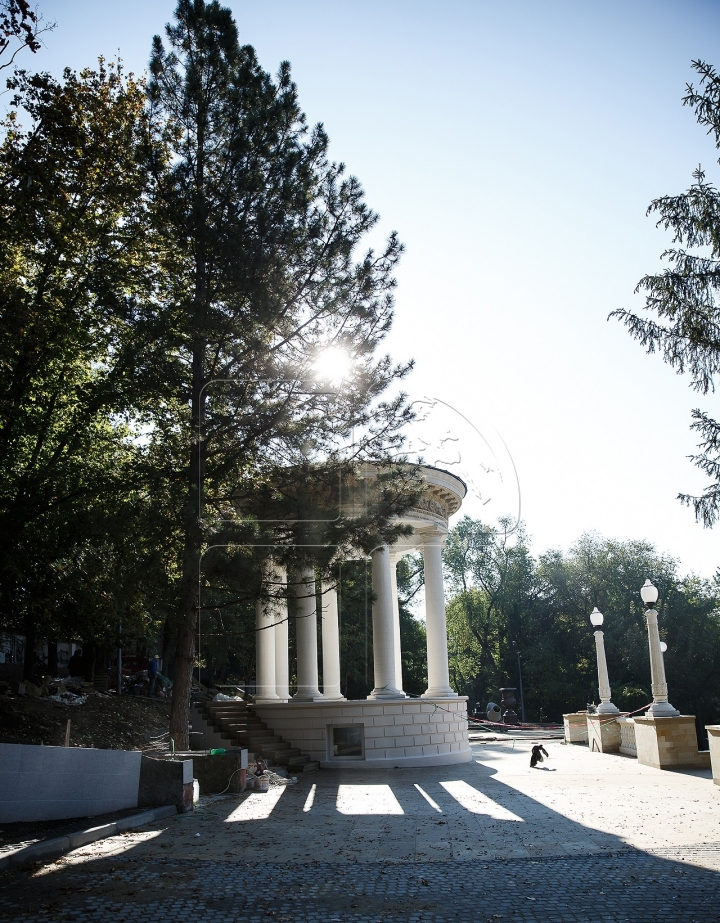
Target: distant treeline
502,601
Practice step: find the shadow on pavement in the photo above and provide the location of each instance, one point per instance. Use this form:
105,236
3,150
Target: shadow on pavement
442,844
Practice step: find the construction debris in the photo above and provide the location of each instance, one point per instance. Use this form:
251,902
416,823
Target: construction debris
68,698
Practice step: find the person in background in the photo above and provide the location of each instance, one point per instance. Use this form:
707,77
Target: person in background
152,671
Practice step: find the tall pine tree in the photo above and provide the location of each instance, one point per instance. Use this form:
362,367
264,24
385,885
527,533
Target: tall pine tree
683,301
261,277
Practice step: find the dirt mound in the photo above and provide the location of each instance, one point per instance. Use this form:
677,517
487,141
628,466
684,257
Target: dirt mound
104,721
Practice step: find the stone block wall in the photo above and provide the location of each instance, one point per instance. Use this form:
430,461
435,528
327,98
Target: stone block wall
603,734
223,772
576,730
52,783
668,742
405,732
165,782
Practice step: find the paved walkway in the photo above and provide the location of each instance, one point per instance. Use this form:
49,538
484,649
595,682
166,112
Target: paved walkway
586,837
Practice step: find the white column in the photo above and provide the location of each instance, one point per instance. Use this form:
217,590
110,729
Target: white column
330,643
265,690
435,626
394,558
383,632
306,636
660,707
282,668
606,707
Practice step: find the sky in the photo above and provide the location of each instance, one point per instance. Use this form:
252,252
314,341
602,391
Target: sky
515,147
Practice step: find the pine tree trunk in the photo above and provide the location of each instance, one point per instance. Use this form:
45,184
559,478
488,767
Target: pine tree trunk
185,648
192,555
184,658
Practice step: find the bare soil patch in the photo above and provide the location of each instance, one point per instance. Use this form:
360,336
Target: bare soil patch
104,721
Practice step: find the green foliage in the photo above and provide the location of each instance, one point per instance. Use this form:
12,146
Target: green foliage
413,640
355,611
504,595
683,299
74,261
20,28
493,577
173,259
473,646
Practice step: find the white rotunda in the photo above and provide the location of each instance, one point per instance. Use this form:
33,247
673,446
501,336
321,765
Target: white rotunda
388,729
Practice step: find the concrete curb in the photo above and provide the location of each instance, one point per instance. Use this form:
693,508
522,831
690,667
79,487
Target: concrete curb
58,846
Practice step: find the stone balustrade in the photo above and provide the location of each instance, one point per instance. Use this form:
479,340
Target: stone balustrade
627,736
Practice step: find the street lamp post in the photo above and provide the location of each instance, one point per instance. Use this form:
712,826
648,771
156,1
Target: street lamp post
522,697
606,707
660,707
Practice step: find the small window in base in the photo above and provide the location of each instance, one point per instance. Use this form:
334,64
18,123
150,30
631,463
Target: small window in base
347,742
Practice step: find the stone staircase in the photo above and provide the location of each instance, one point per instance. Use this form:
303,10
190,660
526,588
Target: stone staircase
237,723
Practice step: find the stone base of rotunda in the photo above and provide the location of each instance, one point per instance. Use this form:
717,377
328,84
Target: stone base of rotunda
377,734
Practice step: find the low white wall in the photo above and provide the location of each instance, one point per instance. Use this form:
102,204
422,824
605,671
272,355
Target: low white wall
403,732
50,783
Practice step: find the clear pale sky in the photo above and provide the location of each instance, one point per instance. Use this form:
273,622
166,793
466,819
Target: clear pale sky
515,147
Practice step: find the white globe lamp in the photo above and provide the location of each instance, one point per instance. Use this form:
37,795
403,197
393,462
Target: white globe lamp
649,593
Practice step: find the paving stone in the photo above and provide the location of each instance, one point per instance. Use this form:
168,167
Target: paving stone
598,839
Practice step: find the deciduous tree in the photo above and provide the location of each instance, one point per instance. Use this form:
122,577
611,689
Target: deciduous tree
76,258
20,28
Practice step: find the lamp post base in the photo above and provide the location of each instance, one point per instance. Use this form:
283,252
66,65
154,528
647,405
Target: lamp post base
603,733
669,742
661,710
607,708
